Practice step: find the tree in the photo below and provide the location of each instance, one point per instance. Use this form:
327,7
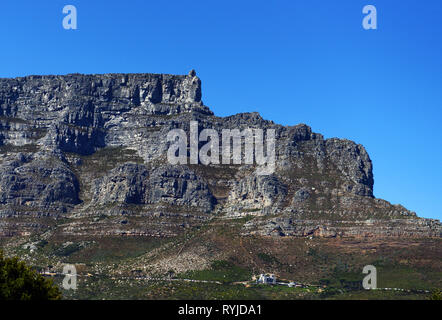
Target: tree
20,282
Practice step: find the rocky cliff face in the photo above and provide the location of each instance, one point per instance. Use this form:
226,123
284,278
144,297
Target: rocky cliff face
80,146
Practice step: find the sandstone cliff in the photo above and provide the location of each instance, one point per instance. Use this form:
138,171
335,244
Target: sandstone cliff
95,146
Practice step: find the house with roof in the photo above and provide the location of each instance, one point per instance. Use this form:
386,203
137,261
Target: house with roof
266,279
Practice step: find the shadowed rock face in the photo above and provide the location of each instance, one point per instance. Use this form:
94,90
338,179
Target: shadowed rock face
124,184
30,183
79,145
133,184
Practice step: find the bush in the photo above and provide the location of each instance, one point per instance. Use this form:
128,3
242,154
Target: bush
20,282
436,294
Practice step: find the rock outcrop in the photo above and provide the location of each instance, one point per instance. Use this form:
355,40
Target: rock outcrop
94,145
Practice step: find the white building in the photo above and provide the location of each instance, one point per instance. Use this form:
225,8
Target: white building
266,279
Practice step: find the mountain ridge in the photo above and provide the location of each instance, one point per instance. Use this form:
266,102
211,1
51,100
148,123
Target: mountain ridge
95,145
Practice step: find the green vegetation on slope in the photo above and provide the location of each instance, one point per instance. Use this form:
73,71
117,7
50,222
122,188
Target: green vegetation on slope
20,282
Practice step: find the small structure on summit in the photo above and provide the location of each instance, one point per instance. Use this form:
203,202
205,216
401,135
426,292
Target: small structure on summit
192,73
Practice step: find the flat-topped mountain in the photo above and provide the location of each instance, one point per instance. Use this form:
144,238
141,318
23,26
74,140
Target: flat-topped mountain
83,149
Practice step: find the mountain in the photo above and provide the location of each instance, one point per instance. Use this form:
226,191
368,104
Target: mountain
82,145
87,156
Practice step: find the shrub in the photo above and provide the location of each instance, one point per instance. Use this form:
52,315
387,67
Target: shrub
436,295
20,282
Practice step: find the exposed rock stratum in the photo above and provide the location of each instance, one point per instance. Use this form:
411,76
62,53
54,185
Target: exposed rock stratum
94,146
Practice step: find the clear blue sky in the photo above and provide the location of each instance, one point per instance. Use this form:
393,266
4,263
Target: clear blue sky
294,61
